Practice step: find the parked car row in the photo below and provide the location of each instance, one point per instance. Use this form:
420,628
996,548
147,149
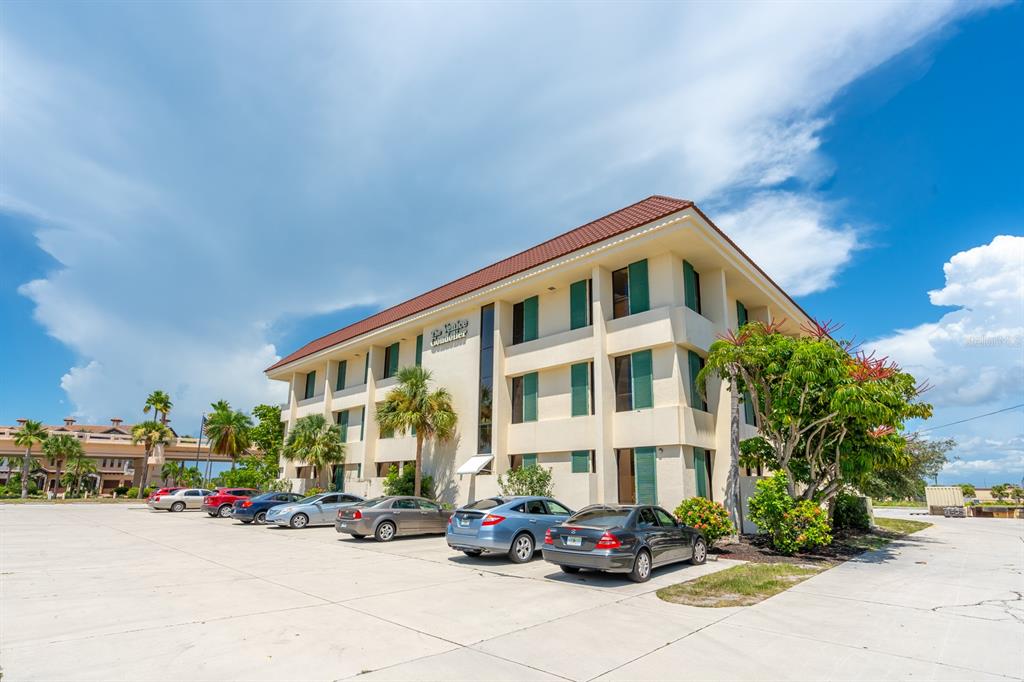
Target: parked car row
629,539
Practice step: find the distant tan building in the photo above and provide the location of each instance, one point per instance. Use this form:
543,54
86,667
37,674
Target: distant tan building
118,461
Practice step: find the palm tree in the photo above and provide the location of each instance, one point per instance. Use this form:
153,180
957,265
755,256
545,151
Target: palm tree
411,406
160,403
30,434
172,471
62,447
228,431
317,442
151,434
79,466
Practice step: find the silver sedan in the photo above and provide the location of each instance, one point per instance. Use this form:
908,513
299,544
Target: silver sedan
180,500
315,510
386,517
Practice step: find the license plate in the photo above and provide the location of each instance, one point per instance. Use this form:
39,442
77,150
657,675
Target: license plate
464,523
343,524
574,541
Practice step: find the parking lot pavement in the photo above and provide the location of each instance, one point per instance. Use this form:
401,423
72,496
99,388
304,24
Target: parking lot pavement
115,593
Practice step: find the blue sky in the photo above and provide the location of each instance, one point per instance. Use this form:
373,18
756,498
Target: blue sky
188,192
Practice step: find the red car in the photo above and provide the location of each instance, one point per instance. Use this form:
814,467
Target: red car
163,491
219,504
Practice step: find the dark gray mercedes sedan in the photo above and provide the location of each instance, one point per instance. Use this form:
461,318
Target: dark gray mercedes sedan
631,539
386,517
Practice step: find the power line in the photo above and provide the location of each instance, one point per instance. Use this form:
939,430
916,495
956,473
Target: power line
970,419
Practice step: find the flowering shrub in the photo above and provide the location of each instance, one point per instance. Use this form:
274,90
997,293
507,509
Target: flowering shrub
710,518
791,525
314,491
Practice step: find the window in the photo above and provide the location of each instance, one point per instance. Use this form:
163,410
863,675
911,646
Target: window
193,493
630,290
483,438
601,517
384,468
582,396
748,409
310,385
486,503
741,314
427,505
522,461
645,518
524,320
557,508
385,433
697,401
339,385
634,381
366,369
535,507
524,398
691,287
580,304
664,518
582,461
343,425
391,360
419,350
404,504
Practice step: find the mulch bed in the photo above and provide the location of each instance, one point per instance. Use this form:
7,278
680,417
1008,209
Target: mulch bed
757,548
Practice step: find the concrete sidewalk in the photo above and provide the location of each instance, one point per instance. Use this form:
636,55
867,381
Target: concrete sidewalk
109,593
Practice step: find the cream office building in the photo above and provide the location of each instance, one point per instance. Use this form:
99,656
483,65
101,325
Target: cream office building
578,355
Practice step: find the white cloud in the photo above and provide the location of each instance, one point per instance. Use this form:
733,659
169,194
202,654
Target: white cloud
265,168
974,356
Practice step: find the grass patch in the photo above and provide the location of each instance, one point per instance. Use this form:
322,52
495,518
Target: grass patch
898,503
740,585
91,500
901,526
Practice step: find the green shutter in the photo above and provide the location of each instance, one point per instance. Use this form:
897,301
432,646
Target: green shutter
529,461
696,399
581,461
339,478
362,423
393,359
579,302
643,379
646,476
530,319
310,384
741,314
690,286
342,370
639,298
366,369
343,425
700,472
419,350
530,397
748,409
580,379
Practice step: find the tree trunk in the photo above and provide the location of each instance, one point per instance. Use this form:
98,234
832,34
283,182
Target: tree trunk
145,473
732,482
419,464
25,465
56,485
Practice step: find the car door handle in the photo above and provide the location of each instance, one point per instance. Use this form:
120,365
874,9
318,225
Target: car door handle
533,520
423,513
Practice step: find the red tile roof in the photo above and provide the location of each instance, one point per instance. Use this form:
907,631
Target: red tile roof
625,219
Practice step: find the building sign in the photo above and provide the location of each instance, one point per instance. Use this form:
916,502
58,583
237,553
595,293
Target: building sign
451,331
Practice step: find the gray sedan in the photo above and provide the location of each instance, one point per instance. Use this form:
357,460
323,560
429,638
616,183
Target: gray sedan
386,517
315,510
180,500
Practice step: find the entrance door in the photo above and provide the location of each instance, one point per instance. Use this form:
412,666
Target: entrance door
702,472
627,478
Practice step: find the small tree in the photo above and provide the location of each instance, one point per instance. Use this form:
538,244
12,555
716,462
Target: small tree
151,434
412,406
1017,493
317,442
531,480
1000,491
160,403
404,482
30,434
792,525
228,431
61,448
79,468
968,490
710,518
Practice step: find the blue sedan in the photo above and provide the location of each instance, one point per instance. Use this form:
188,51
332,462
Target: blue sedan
255,508
510,525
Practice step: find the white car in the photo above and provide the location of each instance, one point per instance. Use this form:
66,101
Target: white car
180,500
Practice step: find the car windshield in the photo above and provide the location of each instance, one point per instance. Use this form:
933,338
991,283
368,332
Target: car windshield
264,496
310,500
601,517
370,503
486,503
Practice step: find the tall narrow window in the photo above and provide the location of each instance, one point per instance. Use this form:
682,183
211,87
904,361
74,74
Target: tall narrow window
483,445
362,422
581,461
343,425
391,360
339,385
310,385
696,363
524,398
524,320
366,368
643,379
385,433
748,409
691,287
623,384
580,305
620,293
741,314
630,290
419,350
579,376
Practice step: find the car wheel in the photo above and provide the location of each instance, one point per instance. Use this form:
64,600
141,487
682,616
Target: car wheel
641,572
224,511
522,548
358,536
385,532
261,517
700,552
472,552
299,521
571,570
212,515
177,506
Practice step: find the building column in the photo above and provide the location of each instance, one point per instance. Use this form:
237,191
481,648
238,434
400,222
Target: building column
287,467
604,389
369,428
501,394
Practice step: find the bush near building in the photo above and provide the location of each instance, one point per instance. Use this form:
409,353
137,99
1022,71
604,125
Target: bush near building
404,482
531,480
849,511
710,518
791,525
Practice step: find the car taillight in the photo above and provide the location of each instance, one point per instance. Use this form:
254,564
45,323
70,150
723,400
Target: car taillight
608,541
492,520
247,503
548,540
356,514
156,498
